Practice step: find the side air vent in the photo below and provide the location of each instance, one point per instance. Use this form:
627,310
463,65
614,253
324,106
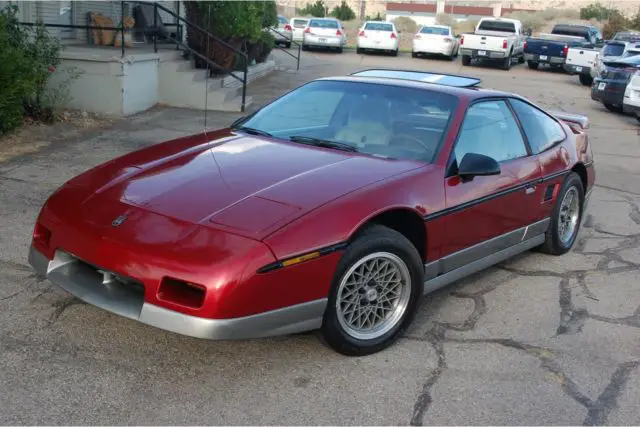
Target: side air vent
548,194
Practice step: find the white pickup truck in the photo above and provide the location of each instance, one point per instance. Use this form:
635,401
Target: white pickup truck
581,60
495,39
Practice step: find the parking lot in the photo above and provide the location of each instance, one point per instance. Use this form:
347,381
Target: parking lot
536,340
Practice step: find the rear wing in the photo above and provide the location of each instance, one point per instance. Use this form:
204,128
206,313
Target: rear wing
576,119
421,76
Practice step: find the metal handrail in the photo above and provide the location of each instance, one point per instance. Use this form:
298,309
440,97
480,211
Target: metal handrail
209,36
286,51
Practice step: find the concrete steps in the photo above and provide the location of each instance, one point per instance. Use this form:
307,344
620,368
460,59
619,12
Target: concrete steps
180,84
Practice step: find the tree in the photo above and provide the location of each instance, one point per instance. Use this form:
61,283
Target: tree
616,23
634,23
598,11
316,9
343,12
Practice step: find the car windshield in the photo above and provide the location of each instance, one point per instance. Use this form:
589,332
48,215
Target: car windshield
378,26
323,23
376,119
613,49
435,30
300,23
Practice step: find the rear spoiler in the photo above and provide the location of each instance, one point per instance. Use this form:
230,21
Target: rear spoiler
578,119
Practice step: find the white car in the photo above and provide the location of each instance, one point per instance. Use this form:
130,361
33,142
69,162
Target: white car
326,33
631,100
378,36
435,40
283,32
298,25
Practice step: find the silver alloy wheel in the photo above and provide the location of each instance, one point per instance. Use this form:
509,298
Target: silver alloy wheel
373,295
568,215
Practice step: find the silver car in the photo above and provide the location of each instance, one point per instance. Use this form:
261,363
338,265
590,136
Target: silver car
326,33
283,33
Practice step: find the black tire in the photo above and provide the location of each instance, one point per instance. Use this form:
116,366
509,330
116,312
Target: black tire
521,59
466,60
305,48
414,55
586,79
359,51
553,245
612,108
394,53
533,65
374,238
340,50
638,118
288,45
506,63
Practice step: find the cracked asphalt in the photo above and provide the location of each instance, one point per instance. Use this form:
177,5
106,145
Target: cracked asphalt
535,340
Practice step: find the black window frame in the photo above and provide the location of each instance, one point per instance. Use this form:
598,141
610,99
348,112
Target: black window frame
524,134
452,163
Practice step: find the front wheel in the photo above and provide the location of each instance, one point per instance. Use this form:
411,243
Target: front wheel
375,292
565,217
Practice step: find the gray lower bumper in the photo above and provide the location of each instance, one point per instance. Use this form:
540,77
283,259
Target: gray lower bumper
549,59
488,54
86,283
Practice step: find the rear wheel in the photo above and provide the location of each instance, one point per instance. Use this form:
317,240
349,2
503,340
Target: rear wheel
506,63
359,51
565,217
612,108
586,79
466,60
340,50
375,292
414,55
394,53
521,59
288,45
533,65
638,118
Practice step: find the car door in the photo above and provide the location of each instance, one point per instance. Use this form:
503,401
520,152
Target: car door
488,207
544,136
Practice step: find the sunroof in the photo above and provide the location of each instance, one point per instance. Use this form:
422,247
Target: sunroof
422,76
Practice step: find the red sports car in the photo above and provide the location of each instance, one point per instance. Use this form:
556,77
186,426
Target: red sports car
335,207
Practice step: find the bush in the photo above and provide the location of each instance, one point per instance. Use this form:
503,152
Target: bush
616,23
535,21
316,9
467,26
378,17
445,19
405,25
343,12
28,59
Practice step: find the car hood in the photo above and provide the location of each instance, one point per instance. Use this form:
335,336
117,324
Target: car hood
247,185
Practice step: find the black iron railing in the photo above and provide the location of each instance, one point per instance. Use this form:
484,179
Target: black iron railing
287,51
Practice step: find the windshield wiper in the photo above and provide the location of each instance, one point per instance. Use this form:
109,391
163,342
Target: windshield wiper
323,143
252,131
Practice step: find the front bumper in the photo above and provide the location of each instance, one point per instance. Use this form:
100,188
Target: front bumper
478,54
87,283
576,69
543,59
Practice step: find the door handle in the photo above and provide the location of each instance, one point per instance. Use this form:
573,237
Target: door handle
530,190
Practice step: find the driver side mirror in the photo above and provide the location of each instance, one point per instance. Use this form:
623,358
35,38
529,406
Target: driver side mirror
474,164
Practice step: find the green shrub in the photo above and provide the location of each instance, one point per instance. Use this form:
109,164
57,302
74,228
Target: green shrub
316,9
343,12
616,23
445,19
28,59
405,25
378,17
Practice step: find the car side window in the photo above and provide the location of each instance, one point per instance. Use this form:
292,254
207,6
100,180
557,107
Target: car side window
541,130
489,128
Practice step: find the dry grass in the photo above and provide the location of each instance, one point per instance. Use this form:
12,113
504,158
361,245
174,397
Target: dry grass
33,137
